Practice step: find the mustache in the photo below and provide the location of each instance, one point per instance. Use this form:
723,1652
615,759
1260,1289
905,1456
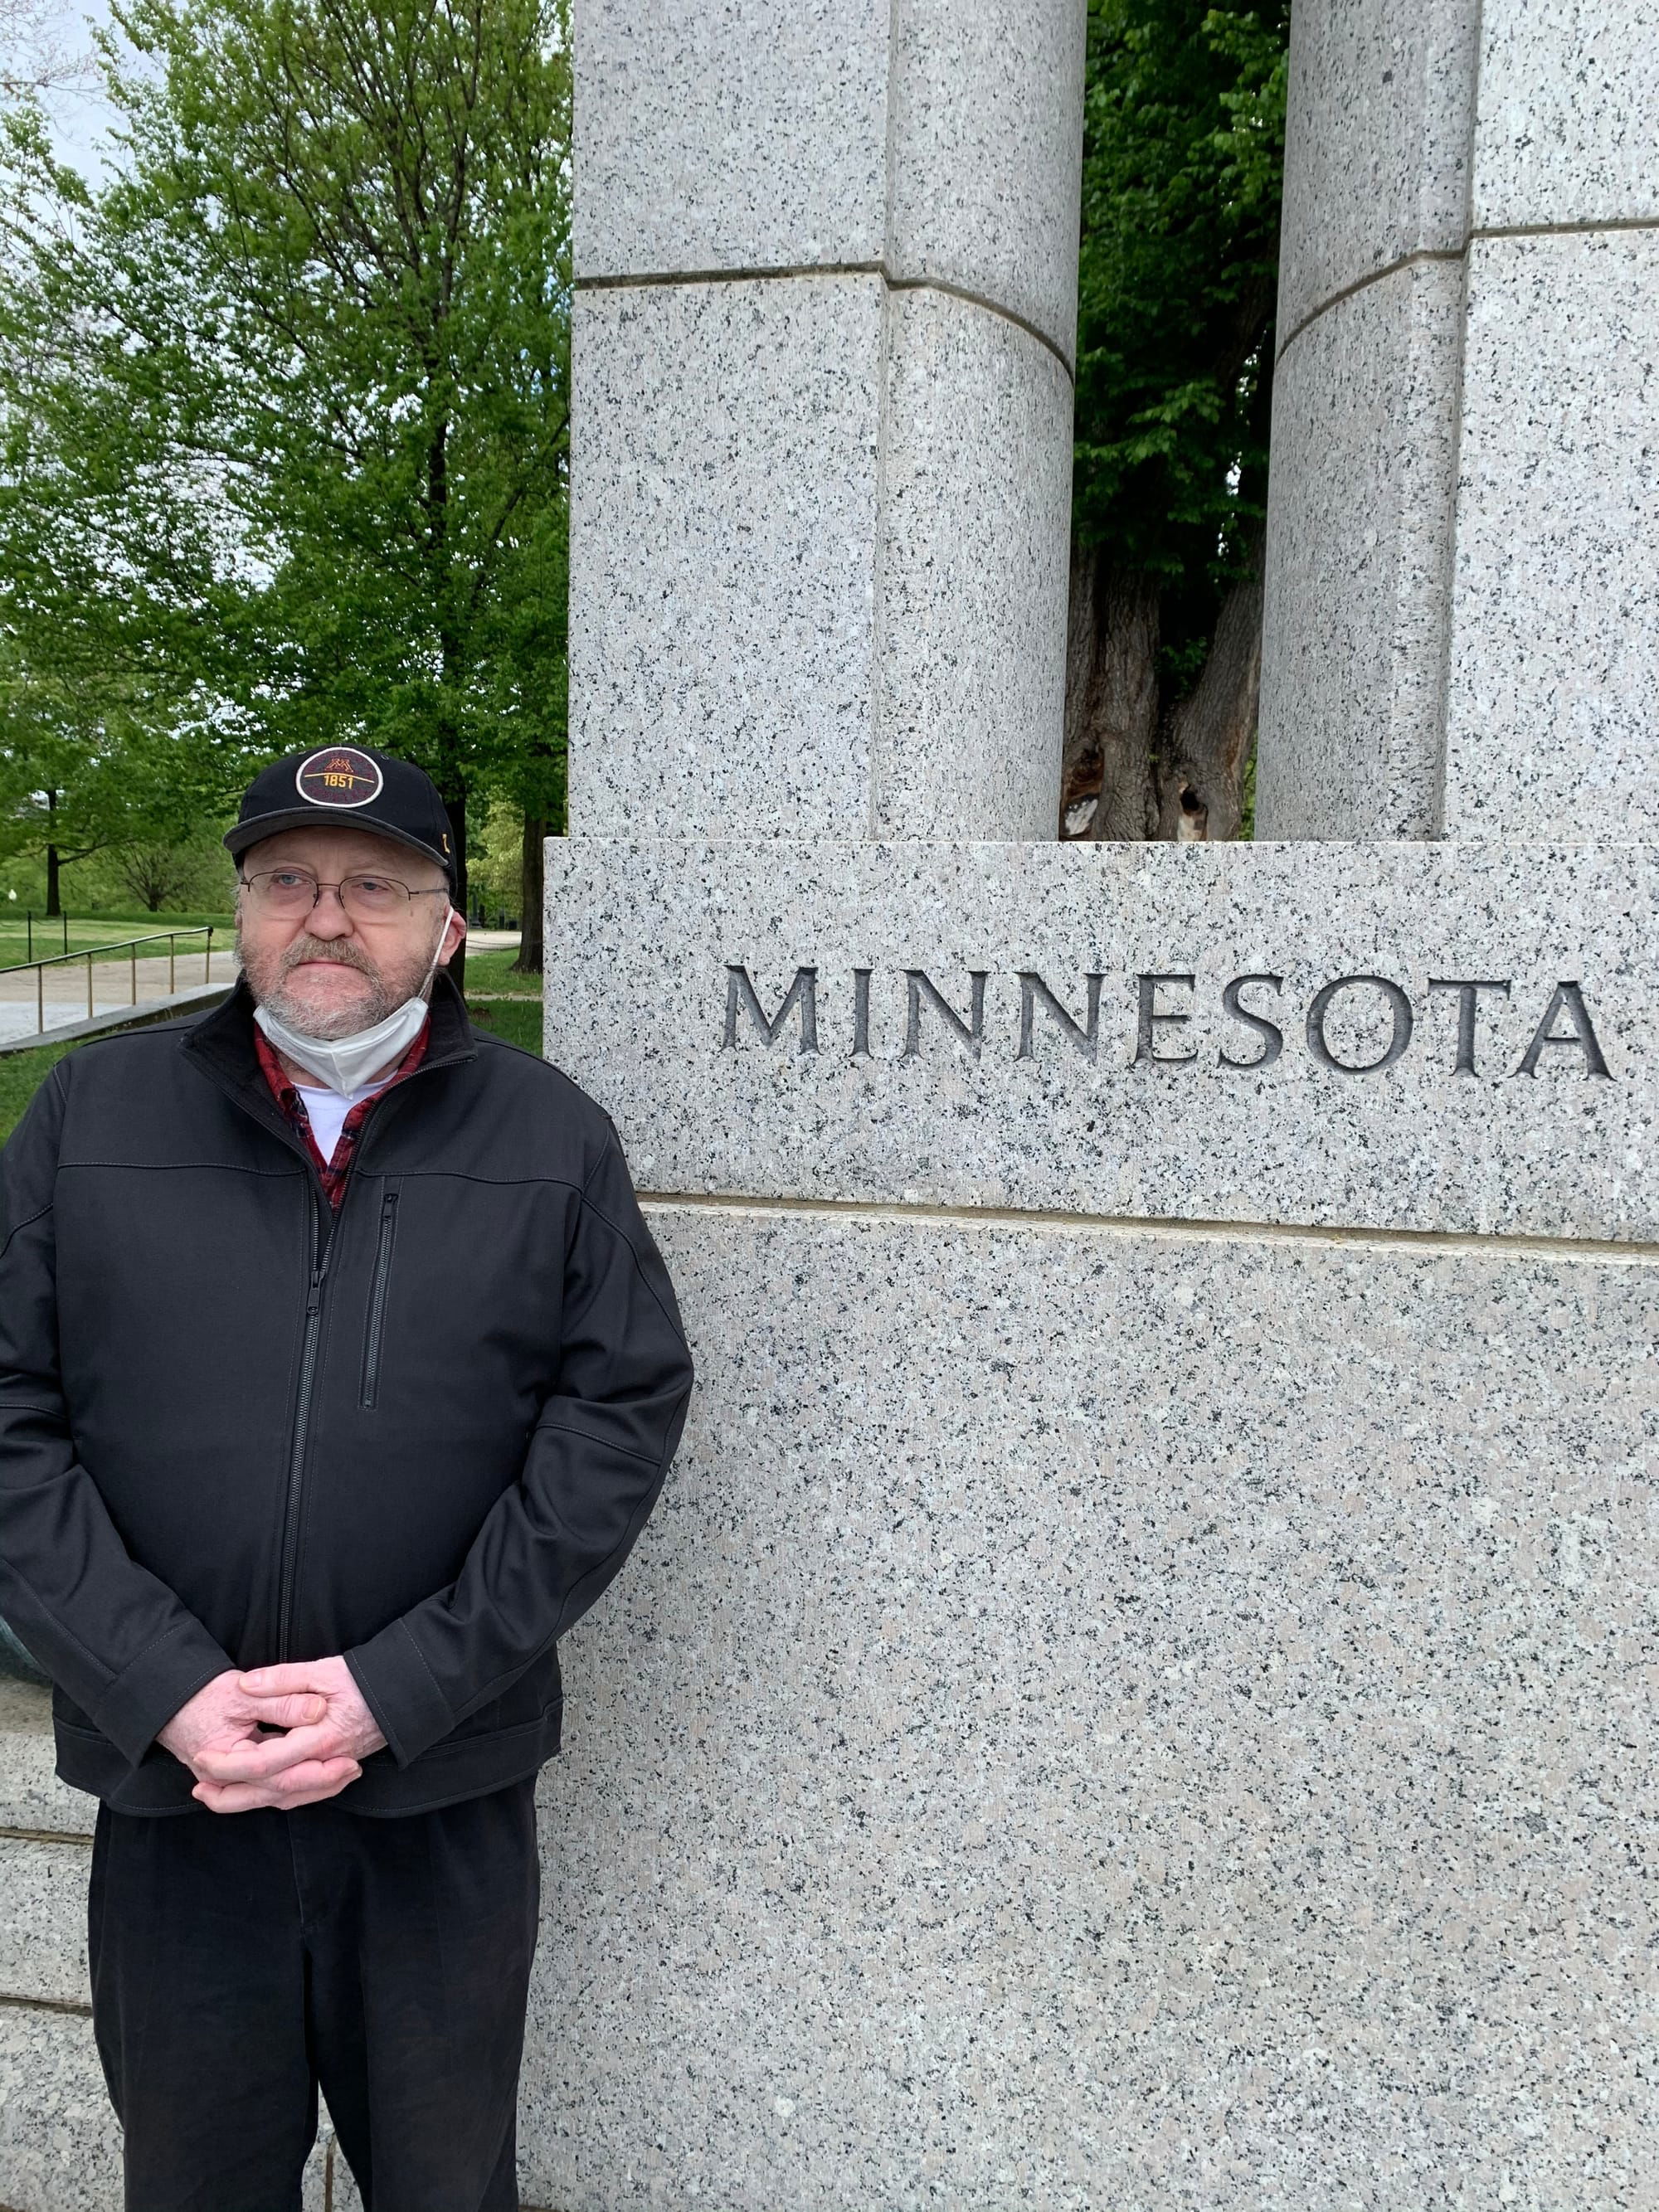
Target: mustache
343,953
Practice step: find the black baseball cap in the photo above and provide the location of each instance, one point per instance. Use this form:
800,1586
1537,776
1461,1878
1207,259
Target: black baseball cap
354,787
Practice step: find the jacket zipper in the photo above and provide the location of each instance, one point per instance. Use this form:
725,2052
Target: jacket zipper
321,1247
377,1297
325,1223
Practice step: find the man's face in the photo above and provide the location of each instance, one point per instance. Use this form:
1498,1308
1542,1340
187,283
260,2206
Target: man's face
328,973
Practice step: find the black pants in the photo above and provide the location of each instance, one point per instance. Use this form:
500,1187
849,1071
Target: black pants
241,1960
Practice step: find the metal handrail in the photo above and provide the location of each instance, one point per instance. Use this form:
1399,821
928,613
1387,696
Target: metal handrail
127,945
115,944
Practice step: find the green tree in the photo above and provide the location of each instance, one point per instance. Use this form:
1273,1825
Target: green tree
295,439
1184,156
82,773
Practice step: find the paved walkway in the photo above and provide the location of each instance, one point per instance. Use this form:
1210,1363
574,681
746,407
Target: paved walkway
115,984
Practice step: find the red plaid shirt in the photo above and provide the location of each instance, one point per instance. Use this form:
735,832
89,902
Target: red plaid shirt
334,1171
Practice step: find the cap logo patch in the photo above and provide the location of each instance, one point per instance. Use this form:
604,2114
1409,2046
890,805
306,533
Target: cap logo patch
339,776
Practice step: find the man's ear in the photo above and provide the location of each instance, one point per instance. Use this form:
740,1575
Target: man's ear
455,931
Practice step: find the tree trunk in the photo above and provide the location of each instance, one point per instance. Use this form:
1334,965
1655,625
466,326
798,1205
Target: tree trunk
529,961
1174,773
454,800
1205,738
1111,703
451,782
54,901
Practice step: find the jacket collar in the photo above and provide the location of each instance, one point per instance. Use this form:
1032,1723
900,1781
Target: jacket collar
222,1045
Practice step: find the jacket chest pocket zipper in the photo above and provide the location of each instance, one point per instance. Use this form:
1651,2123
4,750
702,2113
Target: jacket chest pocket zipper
375,1331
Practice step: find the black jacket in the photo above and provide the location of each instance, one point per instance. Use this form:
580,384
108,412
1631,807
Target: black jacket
237,1427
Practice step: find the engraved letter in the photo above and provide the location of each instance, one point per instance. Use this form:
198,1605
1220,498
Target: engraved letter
1468,998
1146,1036
1272,1037
740,998
971,1031
1571,999
1031,988
1400,1005
861,1012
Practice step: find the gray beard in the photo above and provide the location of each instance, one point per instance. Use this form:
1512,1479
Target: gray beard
330,1028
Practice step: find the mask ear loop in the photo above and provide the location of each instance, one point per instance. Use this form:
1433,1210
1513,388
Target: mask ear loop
437,950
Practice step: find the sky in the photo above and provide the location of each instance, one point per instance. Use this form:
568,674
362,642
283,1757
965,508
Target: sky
79,115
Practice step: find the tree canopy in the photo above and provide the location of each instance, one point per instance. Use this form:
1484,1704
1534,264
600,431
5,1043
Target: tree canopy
1183,154
286,401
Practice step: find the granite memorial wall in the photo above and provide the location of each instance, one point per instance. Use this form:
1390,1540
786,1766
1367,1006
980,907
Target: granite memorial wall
1138,1694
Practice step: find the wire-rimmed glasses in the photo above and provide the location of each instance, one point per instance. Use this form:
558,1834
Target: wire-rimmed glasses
289,894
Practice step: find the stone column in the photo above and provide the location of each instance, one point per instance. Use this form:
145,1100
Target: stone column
826,262
1465,505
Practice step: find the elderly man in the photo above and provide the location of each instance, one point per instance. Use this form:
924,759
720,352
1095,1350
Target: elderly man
337,1375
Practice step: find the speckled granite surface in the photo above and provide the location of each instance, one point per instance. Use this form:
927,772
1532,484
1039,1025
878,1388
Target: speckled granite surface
1377,155
43,1919
642,942
31,1795
1554,656
821,524
60,2150
1114,1719
971,577
738,136
1569,126
724,509
821,479
1491,680
1359,557
986,153
942,141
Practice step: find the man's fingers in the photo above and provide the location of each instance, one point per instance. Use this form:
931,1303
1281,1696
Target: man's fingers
288,1709
261,1760
280,1682
302,1785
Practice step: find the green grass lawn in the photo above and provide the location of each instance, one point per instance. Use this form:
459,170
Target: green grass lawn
107,929
21,1074
518,1020
493,971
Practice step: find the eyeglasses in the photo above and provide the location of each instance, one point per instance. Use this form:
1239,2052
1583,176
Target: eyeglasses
287,894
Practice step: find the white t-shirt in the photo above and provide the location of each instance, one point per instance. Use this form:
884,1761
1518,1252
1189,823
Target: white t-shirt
326,1110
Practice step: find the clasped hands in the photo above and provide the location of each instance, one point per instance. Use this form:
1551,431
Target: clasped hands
327,1733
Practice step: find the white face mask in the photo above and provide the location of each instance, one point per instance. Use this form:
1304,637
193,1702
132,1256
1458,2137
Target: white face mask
346,1064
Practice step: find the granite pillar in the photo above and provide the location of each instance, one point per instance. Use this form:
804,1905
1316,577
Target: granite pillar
1459,641
825,316
1133,1697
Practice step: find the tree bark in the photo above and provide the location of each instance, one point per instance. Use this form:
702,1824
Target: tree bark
54,901
1205,738
1174,772
1111,701
454,800
452,783
529,961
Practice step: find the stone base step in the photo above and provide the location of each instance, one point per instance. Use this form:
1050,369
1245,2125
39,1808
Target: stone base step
43,1920
32,1798
60,2149
46,1834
